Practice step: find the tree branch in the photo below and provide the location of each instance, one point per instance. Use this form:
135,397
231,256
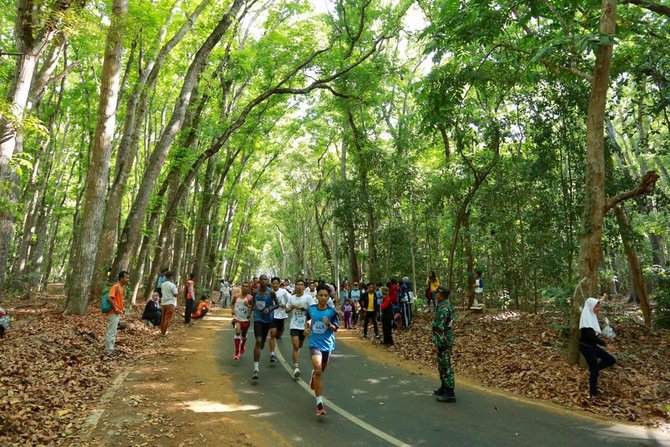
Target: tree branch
646,186
660,9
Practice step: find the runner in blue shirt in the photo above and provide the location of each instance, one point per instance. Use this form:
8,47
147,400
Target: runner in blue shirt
323,323
264,303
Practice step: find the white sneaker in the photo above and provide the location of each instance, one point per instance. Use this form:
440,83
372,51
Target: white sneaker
296,373
256,374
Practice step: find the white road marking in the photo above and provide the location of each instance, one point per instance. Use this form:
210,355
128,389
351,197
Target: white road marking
92,421
361,423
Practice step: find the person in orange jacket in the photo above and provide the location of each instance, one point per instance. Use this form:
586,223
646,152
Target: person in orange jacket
202,308
115,299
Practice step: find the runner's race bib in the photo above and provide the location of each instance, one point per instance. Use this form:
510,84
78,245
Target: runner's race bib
319,327
260,305
299,318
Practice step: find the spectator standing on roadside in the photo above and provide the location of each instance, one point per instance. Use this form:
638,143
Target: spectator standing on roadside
168,302
189,304
115,299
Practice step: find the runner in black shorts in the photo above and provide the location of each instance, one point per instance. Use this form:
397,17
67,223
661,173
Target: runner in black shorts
264,304
297,307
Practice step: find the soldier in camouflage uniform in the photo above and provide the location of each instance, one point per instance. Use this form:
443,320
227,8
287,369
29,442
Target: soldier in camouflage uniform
443,338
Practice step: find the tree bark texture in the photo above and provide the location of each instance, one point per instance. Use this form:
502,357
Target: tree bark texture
130,235
637,276
98,167
590,251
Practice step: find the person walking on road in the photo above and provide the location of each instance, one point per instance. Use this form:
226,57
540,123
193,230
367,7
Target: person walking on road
590,344
323,323
443,339
297,307
168,301
242,307
264,303
115,299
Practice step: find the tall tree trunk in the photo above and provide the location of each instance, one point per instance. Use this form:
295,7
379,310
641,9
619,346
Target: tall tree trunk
590,252
79,286
129,237
637,276
136,109
470,259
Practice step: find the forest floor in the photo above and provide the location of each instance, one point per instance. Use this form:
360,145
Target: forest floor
53,374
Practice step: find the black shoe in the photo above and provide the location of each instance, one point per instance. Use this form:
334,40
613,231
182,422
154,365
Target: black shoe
448,396
439,391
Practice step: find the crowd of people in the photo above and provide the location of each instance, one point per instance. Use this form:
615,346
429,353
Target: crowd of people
314,308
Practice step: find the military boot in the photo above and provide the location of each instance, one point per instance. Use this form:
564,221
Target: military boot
440,391
448,396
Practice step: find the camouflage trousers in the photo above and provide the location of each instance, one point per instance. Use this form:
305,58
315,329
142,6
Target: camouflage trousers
445,368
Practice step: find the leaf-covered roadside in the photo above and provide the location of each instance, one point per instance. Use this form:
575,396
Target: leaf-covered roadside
53,371
522,353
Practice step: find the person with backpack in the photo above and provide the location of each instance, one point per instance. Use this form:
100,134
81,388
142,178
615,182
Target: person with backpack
189,303
115,301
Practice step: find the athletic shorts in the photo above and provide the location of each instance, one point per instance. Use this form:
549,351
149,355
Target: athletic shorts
261,330
278,323
244,325
325,355
298,333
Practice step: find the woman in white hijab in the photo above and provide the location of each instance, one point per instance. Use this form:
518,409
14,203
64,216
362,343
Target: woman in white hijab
590,343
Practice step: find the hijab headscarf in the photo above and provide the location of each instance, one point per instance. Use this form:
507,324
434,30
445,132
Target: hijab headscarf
589,317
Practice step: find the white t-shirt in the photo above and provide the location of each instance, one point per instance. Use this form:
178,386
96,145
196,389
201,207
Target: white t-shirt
282,300
299,317
169,292
240,310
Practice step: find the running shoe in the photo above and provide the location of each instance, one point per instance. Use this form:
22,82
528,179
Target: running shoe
273,358
256,374
296,373
320,409
236,357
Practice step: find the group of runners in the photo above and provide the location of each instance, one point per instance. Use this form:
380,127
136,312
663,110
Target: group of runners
309,311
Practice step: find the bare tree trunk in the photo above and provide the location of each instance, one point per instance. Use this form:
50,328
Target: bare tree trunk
130,235
590,252
135,116
633,262
470,259
98,168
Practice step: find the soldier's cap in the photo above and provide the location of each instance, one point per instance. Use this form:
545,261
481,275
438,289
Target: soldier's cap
443,289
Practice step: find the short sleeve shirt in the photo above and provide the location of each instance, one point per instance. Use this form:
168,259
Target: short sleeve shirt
299,317
169,292
260,303
322,337
282,299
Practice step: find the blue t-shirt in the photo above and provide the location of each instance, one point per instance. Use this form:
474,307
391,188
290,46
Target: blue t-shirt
322,336
260,303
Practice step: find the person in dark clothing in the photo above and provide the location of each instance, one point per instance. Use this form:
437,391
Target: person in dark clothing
590,344
387,317
152,310
370,309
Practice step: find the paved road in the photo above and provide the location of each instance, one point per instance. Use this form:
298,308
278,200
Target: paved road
372,404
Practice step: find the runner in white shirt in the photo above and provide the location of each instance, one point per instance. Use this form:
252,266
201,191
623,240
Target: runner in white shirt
280,315
241,319
297,307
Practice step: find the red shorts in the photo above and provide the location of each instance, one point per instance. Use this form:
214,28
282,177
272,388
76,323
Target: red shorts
244,325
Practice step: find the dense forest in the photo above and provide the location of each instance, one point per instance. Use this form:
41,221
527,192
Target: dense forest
349,139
